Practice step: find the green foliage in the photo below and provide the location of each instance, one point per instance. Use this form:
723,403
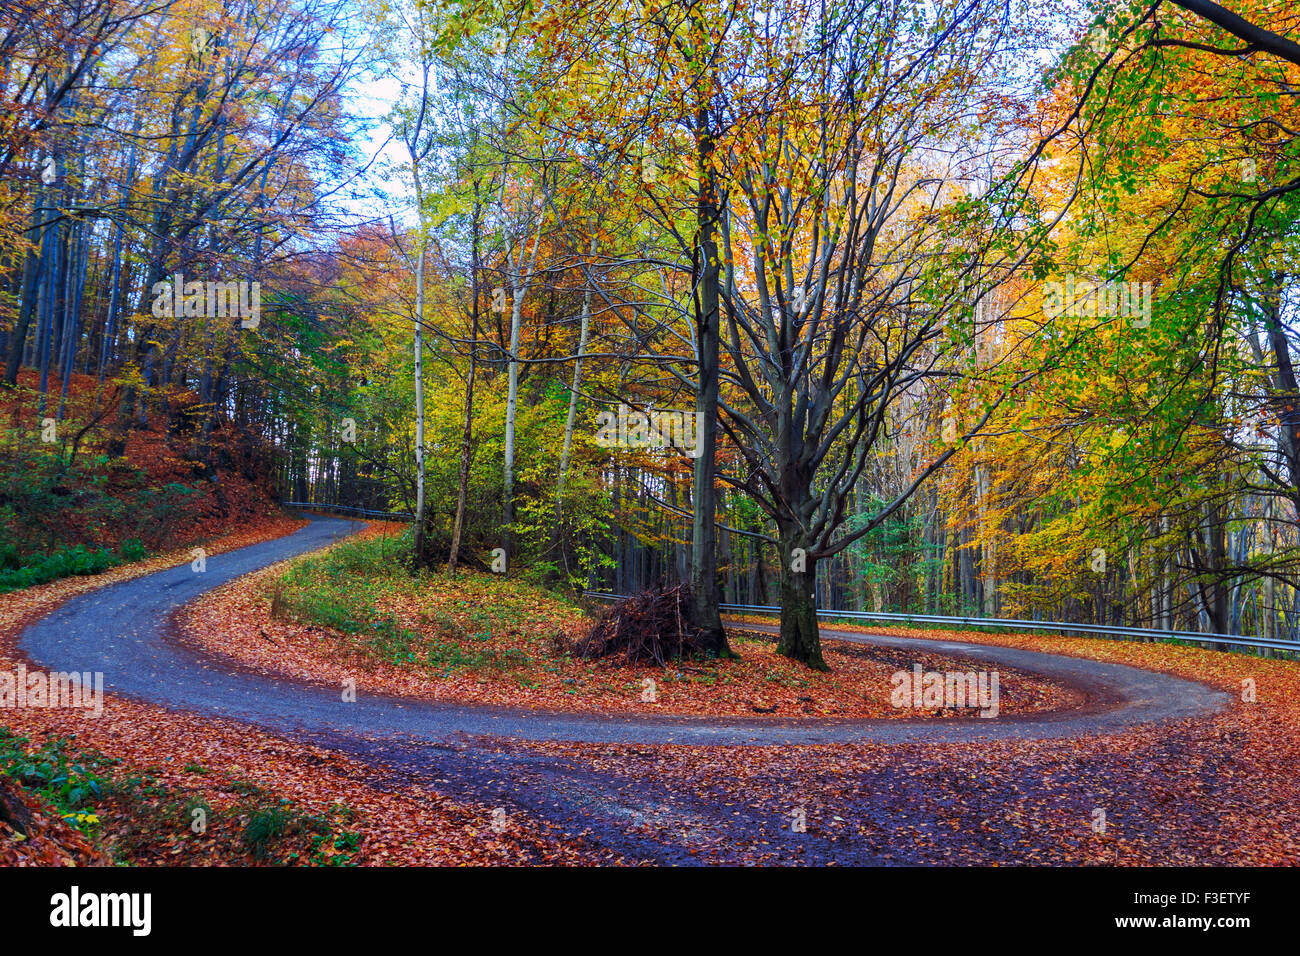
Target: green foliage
61,564
265,826
568,553
72,781
268,825
132,550
59,519
65,562
894,555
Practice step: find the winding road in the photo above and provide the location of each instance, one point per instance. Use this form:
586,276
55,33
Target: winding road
123,631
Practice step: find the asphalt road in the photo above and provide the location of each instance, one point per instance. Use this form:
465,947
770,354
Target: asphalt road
466,750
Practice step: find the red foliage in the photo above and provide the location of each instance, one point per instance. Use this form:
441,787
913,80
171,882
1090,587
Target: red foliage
229,477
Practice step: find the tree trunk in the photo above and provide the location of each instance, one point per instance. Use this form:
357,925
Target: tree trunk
467,432
31,272
704,565
988,563
512,406
800,639
573,397
418,556
1268,614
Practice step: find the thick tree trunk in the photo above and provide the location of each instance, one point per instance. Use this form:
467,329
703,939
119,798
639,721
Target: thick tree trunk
966,564
800,639
1217,532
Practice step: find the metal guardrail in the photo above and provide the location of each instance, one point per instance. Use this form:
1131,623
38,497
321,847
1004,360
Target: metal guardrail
348,509
1217,641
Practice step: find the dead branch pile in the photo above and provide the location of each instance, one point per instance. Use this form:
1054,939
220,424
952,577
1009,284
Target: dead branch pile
652,627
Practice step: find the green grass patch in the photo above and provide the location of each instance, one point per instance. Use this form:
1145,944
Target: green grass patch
364,590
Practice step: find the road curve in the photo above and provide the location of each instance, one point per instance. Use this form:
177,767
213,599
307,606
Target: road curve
122,630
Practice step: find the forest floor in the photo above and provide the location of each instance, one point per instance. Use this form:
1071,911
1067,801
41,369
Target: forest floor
1215,787
484,639
133,785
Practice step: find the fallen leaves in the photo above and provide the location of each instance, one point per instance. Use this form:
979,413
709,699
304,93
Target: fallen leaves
32,834
398,822
1209,790
1220,790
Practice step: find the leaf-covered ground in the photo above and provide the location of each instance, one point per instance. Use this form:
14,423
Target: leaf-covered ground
354,613
1223,790
34,833
1212,790
268,799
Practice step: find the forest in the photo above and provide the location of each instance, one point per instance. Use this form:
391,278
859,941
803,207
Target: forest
959,307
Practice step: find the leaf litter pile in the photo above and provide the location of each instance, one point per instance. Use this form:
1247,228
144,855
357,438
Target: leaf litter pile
354,613
653,627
